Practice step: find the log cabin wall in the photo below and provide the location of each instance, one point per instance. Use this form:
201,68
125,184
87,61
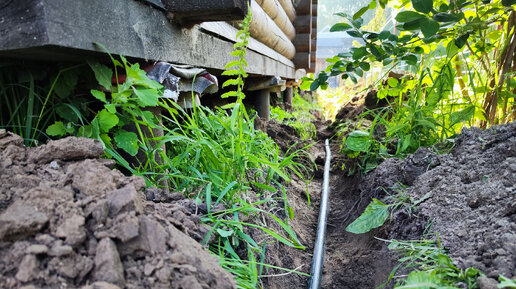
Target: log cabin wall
289,27
192,32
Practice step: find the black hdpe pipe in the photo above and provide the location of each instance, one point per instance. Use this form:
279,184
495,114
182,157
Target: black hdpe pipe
317,262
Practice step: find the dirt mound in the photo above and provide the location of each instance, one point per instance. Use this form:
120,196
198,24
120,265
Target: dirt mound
472,208
67,220
473,203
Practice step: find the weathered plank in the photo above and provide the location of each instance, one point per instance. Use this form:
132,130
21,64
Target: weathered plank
197,11
22,24
227,31
68,30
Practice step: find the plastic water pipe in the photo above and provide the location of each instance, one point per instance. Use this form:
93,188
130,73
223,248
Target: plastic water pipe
317,262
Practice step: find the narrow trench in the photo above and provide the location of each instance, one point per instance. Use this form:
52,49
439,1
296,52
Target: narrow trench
350,261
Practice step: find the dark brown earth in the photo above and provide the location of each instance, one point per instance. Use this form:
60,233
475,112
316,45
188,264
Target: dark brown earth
472,209
67,220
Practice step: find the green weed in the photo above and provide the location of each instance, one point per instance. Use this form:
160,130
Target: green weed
431,266
377,212
34,97
301,118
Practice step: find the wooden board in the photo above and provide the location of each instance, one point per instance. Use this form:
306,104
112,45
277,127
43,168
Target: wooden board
197,11
65,30
227,31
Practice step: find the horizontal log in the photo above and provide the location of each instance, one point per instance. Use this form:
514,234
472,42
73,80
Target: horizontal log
189,12
313,44
303,24
274,9
313,56
302,60
302,42
313,67
264,29
304,7
289,9
314,22
314,9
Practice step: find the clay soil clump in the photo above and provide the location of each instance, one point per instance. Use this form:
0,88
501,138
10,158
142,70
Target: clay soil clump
68,220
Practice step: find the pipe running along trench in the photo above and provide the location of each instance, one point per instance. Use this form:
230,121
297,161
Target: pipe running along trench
318,259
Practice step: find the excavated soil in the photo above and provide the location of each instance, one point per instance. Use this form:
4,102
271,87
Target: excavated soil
472,207
67,220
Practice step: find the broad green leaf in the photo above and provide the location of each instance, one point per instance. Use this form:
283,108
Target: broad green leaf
447,17
373,217
388,61
69,112
137,76
146,96
128,141
365,66
357,23
423,6
429,27
66,83
374,50
384,35
99,95
494,35
358,141
56,129
340,27
225,233
412,25
314,85
354,33
361,12
359,53
462,115
506,282
461,40
451,50
508,3
408,16
102,73
359,72
110,107
421,280
305,85
107,120
410,59
393,82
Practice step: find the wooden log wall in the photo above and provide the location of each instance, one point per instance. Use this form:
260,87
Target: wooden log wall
264,29
306,37
287,26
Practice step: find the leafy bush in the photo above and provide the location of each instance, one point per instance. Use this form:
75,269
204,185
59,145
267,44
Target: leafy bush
301,118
